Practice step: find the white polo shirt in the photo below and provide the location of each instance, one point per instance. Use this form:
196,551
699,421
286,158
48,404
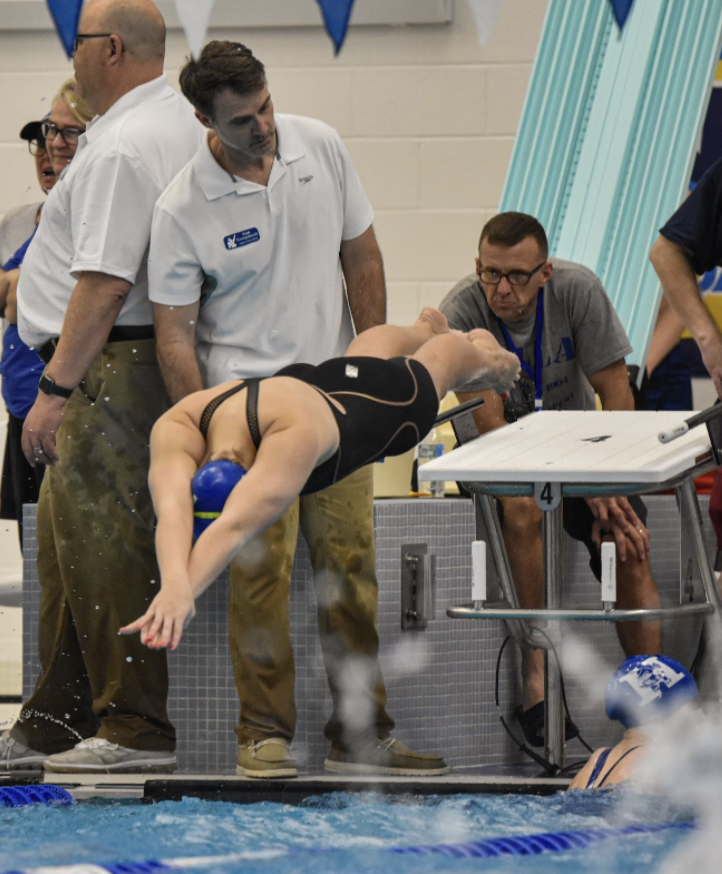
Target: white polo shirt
263,260
98,215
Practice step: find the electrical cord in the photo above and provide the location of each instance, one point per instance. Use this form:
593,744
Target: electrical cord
550,770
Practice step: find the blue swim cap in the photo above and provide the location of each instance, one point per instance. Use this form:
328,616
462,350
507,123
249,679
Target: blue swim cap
646,688
211,486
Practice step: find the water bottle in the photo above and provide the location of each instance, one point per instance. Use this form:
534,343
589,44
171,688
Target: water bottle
430,448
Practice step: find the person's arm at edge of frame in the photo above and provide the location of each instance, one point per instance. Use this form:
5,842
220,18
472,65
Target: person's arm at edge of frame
5,277
611,383
679,283
175,333
363,271
284,462
92,310
666,335
11,299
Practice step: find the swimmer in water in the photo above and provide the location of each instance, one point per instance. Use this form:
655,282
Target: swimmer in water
293,434
645,689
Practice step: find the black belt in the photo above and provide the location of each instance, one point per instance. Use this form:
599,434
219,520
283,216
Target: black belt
118,333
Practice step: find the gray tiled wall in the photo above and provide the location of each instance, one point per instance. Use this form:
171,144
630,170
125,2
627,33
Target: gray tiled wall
440,681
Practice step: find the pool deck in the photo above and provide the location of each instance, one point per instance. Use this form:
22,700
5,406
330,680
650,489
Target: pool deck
245,790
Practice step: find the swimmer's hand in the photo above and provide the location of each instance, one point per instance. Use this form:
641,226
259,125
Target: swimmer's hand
163,622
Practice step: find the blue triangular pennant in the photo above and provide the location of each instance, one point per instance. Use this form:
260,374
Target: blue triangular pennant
66,14
621,9
336,14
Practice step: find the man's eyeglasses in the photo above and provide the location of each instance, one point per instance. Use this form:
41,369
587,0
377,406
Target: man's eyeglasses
514,277
69,134
37,146
88,36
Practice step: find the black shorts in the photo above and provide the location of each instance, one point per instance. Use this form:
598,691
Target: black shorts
578,522
20,482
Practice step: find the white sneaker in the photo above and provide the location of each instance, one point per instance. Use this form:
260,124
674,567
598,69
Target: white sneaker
17,756
96,755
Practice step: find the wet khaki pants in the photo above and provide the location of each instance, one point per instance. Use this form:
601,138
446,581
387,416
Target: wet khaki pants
338,527
97,566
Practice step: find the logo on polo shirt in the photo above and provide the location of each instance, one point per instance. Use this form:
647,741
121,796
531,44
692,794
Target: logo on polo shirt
304,179
242,238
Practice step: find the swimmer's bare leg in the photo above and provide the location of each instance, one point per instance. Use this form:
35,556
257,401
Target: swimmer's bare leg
391,341
452,360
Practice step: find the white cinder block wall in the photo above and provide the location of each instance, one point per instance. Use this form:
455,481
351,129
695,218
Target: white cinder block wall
428,115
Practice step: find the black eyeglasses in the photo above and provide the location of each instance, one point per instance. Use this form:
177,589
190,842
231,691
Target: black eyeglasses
69,134
88,36
37,146
514,277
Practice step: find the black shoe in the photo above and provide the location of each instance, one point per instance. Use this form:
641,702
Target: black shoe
532,724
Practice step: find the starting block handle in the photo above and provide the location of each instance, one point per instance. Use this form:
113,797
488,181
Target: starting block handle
458,410
478,568
698,419
609,576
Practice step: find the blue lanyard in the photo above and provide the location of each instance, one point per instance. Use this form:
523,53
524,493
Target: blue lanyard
536,374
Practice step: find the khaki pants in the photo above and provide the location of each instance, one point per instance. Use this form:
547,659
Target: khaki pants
338,527
97,565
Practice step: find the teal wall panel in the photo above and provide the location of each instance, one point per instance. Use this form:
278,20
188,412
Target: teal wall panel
608,134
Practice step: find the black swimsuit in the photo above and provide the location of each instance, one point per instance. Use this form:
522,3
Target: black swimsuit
388,407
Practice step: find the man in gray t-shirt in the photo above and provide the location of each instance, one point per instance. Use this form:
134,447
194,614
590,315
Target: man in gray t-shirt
556,316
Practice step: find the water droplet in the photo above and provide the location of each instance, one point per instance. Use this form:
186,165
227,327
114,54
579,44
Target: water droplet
129,659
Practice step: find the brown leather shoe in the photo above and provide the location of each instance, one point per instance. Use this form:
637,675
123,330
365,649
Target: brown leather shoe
266,758
385,756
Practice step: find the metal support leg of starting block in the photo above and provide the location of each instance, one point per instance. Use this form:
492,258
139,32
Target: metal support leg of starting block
488,528
552,537
692,527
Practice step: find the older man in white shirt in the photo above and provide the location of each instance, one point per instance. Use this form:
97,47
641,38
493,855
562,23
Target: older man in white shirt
83,302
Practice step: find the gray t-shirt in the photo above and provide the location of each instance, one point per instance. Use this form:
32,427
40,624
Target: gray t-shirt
581,335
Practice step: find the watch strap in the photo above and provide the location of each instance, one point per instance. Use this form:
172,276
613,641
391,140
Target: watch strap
48,386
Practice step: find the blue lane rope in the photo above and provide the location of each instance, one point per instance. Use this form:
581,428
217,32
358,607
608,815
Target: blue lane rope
23,796
521,845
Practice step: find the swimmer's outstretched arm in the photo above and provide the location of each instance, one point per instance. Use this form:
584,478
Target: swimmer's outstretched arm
283,463
176,450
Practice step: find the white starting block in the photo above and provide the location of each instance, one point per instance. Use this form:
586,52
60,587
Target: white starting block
552,455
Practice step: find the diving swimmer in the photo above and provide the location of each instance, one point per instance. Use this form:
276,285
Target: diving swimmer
293,434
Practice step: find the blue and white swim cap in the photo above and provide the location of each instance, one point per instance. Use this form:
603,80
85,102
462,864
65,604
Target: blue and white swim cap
211,486
646,688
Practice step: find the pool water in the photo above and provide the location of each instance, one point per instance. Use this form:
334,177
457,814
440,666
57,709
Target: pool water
337,833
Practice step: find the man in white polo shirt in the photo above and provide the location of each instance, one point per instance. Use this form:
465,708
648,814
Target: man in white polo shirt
84,280
262,255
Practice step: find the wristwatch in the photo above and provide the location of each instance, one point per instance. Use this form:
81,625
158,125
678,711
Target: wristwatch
48,386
